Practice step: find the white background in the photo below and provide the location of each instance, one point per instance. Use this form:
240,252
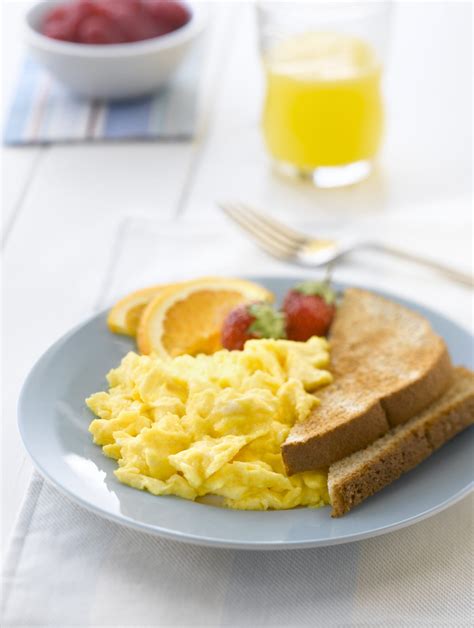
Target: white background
63,205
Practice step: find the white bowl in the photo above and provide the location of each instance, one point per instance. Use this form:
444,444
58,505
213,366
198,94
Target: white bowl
112,70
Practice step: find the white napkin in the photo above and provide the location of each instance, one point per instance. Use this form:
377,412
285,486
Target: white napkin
150,251
68,567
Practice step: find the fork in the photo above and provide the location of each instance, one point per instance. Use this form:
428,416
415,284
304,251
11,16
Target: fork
289,245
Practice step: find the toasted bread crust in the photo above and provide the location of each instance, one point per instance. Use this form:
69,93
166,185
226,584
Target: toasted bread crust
362,474
327,445
382,353
411,398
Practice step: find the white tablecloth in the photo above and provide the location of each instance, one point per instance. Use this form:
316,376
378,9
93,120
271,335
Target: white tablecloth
67,567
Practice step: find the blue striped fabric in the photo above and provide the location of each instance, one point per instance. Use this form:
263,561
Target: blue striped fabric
21,104
123,120
43,112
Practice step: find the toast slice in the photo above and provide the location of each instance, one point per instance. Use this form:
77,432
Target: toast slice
388,365
353,479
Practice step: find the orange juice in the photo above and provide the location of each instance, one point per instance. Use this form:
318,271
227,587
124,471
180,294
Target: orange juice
323,105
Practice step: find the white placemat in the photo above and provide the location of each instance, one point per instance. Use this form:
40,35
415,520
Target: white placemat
68,567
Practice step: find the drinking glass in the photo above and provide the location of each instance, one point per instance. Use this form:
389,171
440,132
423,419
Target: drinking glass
323,115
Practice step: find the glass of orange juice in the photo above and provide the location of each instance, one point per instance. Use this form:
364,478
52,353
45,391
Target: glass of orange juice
323,115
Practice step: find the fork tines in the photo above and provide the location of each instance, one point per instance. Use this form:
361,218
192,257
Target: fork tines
273,237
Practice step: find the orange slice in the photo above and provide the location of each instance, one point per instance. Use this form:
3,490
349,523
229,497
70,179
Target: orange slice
187,318
124,317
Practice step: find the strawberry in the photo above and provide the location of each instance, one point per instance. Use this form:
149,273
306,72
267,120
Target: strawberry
309,310
257,320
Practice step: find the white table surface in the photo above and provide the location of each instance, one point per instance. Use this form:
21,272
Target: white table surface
63,205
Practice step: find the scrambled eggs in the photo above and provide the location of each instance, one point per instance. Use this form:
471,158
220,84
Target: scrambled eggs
214,424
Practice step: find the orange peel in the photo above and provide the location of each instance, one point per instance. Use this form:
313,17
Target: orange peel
125,315
187,318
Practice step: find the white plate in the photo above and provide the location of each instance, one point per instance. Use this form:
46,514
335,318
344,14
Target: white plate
53,422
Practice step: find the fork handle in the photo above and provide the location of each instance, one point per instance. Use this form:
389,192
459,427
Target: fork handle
451,273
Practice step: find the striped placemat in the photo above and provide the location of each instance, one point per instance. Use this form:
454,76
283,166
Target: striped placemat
43,112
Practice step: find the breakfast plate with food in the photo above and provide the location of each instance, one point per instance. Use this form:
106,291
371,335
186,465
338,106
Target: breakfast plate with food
256,413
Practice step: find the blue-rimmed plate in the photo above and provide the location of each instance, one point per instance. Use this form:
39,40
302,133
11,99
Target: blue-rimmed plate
53,422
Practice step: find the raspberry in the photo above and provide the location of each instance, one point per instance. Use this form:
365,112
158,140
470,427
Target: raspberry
62,23
114,21
97,29
59,29
173,14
